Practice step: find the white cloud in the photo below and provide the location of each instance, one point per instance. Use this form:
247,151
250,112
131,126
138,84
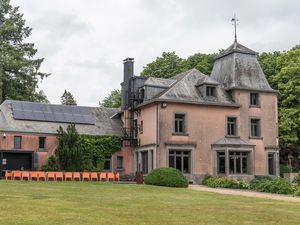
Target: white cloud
84,42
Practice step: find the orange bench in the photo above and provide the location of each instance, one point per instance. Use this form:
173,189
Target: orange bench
68,176
25,175
94,176
17,175
34,175
76,176
59,176
117,177
110,176
8,175
51,176
41,175
103,177
86,176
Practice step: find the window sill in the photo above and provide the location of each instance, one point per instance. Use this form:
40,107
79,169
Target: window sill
254,106
120,169
232,136
180,134
258,138
42,150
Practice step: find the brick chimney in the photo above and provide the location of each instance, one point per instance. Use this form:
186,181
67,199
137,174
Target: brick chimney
128,74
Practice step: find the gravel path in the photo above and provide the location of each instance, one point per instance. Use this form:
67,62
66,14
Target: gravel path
246,193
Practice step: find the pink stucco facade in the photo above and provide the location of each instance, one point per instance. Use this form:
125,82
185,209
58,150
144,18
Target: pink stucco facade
205,125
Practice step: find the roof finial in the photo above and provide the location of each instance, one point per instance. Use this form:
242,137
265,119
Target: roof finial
234,20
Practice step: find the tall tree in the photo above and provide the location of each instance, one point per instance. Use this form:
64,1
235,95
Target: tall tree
68,99
202,62
19,70
268,62
288,82
113,100
170,64
165,66
69,154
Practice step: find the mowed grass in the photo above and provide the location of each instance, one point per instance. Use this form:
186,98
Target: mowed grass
107,203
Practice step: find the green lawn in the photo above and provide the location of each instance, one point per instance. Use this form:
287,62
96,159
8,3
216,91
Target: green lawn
107,203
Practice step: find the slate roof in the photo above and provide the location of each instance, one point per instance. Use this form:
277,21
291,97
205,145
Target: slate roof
238,68
184,89
232,142
207,80
103,123
161,82
236,47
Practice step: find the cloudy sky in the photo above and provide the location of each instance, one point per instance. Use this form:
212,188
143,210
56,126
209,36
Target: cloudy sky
84,42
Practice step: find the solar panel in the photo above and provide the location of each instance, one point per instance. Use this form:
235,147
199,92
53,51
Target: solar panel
51,113
18,114
39,116
16,106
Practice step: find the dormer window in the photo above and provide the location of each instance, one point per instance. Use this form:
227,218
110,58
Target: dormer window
210,91
254,99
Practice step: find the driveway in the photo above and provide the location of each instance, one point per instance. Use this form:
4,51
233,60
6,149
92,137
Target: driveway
247,193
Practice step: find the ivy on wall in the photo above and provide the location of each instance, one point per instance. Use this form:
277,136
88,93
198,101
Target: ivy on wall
95,148
84,152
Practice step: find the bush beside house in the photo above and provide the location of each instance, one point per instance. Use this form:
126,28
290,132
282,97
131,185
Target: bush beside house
224,182
168,177
267,184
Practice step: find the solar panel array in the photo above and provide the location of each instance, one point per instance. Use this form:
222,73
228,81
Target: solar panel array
51,113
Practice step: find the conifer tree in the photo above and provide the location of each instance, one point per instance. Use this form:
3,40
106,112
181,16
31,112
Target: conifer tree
19,70
68,99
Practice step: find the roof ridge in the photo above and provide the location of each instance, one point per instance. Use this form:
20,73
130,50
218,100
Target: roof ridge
176,82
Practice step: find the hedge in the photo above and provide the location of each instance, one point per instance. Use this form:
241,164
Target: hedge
168,177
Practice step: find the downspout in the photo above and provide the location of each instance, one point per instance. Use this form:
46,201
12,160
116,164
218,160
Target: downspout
157,135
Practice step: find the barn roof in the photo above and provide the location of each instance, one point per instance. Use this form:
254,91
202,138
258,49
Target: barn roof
100,122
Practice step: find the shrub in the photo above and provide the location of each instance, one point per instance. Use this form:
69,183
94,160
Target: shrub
284,169
257,181
51,164
277,185
297,191
224,182
297,179
168,177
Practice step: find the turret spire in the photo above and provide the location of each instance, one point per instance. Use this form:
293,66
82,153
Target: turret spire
234,20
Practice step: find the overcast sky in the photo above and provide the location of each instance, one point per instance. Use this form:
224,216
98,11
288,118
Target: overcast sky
84,42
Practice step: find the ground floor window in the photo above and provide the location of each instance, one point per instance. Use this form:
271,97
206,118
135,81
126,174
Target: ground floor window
119,162
271,163
180,160
144,161
144,156
238,162
221,162
107,163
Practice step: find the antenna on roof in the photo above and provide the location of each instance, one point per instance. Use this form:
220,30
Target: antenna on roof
234,21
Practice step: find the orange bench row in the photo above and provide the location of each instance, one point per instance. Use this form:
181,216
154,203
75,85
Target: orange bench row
61,176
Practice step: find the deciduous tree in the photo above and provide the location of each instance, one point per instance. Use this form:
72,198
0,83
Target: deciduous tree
113,100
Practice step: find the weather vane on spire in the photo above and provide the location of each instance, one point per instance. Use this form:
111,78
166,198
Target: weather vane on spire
234,20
